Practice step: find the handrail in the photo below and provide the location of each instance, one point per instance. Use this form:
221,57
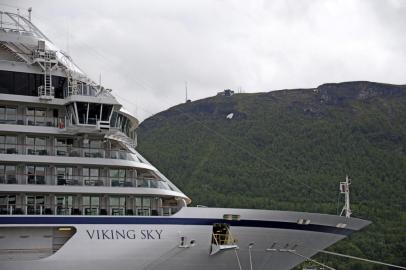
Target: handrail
81,180
34,120
55,209
64,150
224,238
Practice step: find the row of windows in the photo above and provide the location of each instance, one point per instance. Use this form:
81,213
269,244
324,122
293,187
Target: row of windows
122,123
39,145
72,176
90,113
87,113
83,205
33,116
18,83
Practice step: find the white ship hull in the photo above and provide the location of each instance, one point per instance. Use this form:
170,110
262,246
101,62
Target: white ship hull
155,242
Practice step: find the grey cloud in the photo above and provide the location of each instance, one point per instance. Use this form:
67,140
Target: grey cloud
145,50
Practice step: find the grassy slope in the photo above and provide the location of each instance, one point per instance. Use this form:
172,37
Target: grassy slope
289,150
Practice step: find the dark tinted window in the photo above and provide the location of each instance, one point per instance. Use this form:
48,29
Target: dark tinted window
6,82
19,83
82,112
39,80
58,83
94,113
106,112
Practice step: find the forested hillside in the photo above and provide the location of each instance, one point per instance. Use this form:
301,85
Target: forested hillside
289,150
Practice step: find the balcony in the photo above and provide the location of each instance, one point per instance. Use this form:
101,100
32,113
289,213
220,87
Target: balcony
28,120
67,151
76,180
86,210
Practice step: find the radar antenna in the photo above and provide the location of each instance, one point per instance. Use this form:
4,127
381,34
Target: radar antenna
345,189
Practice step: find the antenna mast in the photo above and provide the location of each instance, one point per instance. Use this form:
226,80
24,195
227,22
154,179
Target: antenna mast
185,91
29,13
345,188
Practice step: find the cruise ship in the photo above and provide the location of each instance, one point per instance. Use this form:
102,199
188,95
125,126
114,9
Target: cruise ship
76,194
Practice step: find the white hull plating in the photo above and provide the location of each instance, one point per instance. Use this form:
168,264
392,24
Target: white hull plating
158,246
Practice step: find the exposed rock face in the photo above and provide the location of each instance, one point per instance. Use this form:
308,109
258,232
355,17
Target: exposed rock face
340,93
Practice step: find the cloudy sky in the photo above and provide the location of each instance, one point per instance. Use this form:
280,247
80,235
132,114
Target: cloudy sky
145,50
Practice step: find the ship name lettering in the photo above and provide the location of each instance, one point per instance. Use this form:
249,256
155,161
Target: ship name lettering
123,234
151,234
90,234
130,234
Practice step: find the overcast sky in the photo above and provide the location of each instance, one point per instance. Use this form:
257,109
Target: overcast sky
145,50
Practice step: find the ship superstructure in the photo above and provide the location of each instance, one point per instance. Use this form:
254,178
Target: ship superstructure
67,142
75,194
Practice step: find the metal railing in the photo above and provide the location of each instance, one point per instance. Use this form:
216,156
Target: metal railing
87,210
80,180
67,151
81,90
42,121
224,238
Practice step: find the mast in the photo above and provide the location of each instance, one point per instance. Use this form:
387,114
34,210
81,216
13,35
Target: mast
186,99
29,13
345,188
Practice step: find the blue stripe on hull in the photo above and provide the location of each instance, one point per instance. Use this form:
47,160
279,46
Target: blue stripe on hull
72,220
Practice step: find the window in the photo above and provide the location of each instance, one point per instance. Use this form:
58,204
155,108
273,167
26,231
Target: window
94,113
36,146
143,206
117,206
91,205
36,175
114,120
35,204
93,148
117,151
8,174
6,82
8,115
70,114
91,177
143,183
37,117
21,83
64,147
64,176
8,144
82,112
120,177
7,204
59,83
18,83
106,112
64,204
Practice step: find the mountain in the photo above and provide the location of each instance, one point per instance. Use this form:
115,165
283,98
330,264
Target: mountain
289,149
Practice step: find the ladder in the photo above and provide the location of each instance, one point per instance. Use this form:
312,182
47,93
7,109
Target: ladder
72,84
46,59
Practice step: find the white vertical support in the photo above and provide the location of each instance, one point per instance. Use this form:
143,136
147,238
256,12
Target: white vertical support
345,188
